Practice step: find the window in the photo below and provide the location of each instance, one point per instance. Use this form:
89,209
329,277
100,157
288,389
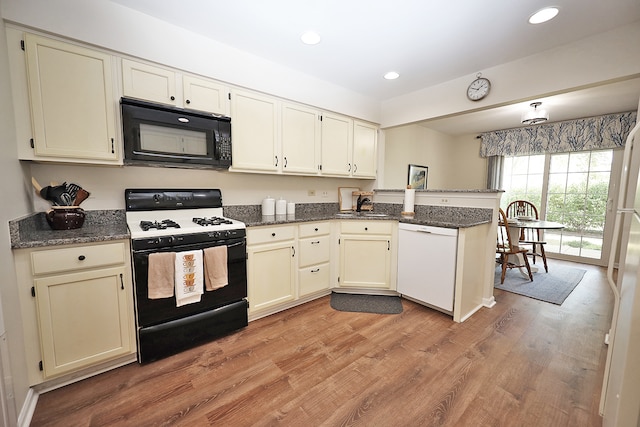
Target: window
570,188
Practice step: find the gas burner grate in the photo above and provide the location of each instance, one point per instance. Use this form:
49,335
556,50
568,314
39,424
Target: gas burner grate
162,225
211,221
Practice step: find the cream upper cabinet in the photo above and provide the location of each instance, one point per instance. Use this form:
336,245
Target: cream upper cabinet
149,82
366,254
205,95
337,140
365,141
72,102
300,139
166,86
255,132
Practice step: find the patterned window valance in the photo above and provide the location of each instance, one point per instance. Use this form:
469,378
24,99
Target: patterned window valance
592,133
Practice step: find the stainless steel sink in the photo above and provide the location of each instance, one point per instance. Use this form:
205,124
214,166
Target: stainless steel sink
361,214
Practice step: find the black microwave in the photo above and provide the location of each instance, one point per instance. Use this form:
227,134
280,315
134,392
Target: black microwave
160,135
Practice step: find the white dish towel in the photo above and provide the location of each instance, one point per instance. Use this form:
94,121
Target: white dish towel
189,277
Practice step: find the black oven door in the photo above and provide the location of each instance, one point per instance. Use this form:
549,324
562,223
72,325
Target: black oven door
156,311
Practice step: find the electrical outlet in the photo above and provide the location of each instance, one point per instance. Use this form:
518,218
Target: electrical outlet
325,194
445,200
311,193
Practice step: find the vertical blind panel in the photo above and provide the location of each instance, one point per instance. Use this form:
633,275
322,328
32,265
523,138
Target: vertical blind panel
591,133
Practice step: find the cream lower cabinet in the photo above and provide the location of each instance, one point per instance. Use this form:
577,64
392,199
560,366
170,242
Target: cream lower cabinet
78,309
270,266
314,246
367,253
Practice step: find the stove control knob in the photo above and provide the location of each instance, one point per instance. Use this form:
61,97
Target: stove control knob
227,233
171,240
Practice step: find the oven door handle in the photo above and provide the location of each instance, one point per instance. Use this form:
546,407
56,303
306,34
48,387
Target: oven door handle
235,244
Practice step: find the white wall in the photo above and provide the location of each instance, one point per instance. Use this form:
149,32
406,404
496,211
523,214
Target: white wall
106,184
468,169
413,144
16,204
604,57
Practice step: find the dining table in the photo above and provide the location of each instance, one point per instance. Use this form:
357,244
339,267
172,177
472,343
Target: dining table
516,224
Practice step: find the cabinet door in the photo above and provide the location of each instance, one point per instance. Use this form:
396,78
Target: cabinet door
83,319
72,102
205,95
148,82
365,137
270,275
300,139
365,261
254,128
337,140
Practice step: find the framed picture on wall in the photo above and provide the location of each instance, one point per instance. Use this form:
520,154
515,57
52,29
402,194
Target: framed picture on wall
417,177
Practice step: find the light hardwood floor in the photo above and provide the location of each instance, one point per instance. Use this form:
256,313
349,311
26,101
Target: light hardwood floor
521,363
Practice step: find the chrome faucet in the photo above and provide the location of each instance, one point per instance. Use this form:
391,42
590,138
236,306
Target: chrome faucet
361,202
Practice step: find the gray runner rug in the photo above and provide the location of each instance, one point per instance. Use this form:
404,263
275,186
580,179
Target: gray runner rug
379,304
554,286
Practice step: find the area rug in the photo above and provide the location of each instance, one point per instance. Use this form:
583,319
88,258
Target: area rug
379,304
554,286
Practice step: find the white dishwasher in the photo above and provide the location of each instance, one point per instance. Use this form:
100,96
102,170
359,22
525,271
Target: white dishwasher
427,264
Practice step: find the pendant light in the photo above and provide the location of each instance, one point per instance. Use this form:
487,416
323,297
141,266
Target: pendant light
535,115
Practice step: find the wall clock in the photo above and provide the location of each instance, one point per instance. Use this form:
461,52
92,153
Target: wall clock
479,88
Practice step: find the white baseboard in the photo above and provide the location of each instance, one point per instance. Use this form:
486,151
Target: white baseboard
28,408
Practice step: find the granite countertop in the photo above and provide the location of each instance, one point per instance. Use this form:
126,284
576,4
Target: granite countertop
436,216
33,231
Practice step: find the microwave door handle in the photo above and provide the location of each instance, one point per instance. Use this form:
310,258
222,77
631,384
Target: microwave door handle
216,144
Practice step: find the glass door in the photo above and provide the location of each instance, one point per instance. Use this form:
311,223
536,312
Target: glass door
570,188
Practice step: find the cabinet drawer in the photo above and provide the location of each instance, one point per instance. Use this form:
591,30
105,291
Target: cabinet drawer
77,258
314,229
313,250
366,227
257,236
313,279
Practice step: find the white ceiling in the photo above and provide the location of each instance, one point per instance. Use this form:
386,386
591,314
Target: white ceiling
427,41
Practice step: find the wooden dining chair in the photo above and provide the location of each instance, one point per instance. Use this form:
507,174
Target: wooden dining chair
507,252
529,236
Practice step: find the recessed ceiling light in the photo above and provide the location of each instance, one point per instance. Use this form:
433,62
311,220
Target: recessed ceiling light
391,75
543,15
310,37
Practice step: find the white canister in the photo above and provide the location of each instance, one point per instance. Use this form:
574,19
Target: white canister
291,208
268,206
281,207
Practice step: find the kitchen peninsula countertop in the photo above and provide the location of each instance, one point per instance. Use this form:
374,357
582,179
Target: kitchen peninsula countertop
436,216
33,231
